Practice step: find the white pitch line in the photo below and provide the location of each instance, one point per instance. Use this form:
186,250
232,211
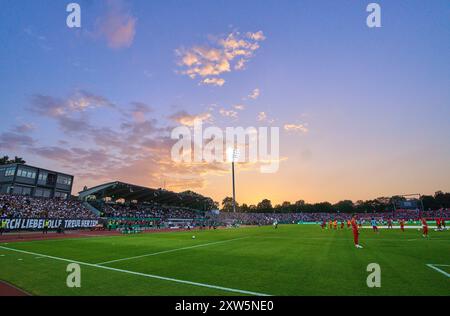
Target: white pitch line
435,267
171,250
152,276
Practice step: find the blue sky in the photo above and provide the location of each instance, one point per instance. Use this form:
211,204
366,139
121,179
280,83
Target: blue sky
373,104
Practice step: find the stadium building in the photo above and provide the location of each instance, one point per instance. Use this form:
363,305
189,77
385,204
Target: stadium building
23,179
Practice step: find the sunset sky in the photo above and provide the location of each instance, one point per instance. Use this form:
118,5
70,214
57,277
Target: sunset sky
363,112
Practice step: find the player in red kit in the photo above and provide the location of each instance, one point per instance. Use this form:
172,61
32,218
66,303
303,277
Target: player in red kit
438,223
355,232
425,227
402,225
389,223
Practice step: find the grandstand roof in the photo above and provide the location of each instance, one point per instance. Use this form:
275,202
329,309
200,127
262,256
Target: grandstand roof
130,192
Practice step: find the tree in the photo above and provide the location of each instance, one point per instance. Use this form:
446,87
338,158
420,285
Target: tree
345,206
381,204
323,207
19,160
265,205
244,208
286,204
5,160
227,204
442,199
429,202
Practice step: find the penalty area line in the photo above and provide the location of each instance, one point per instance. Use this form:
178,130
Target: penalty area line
151,276
435,267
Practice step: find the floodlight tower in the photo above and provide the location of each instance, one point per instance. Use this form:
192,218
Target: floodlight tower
233,156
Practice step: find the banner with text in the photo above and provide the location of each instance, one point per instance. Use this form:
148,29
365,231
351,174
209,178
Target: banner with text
35,224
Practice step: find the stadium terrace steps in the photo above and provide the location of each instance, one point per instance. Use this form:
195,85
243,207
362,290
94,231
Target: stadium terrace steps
91,208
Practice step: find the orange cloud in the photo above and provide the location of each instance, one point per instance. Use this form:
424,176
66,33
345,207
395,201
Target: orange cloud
187,119
231,52
117,27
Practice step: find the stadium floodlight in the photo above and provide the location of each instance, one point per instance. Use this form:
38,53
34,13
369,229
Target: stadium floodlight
233,156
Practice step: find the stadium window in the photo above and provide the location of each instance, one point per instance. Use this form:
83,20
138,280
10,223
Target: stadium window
60,195
64,180
10,172
19,190
26,173
39,192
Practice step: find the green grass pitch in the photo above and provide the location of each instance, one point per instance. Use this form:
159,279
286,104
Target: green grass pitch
292,260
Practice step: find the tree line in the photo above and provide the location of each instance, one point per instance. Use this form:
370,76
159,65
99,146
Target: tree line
382,204
6,161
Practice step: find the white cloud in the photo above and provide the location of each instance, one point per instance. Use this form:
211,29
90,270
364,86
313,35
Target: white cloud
224,55
214,82
262,116
302,128
258,36
228,113
255,94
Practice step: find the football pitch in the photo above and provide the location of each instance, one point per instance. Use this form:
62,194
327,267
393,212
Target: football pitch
290,260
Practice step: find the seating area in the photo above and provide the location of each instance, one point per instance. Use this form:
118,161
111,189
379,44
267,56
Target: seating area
269,218
20,206
113,210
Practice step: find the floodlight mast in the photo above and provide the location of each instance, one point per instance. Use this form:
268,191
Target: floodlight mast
234,188
233,156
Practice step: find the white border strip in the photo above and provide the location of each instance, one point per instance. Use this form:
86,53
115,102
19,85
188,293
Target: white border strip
216,287
435,267
171,250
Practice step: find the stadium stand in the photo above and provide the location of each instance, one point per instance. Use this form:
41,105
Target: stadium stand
269,218
127,204
142,211
20,206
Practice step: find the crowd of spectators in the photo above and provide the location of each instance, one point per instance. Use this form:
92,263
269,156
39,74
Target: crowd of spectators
269,218
20,206
145,211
